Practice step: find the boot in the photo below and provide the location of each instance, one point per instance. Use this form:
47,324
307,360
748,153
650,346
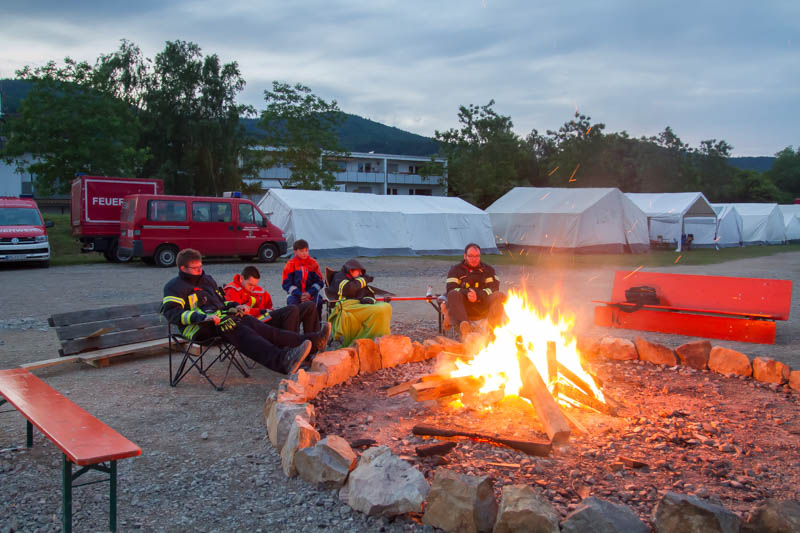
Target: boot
320,338
294,357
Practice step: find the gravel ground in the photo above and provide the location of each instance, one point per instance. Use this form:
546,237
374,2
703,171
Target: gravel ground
206,464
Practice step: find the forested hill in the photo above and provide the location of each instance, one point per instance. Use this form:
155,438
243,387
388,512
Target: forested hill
759,164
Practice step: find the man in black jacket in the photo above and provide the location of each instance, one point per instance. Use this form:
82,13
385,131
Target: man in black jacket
473,292
194,302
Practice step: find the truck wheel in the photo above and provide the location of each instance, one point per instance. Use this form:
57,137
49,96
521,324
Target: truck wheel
112,254
268,253
165,255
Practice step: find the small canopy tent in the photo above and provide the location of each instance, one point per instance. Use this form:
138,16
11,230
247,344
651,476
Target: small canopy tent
671,215
791,220
729,226
588,220
341,224
761,224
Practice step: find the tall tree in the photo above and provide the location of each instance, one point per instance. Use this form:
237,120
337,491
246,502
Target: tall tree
785,172
484,156
66,126
301,135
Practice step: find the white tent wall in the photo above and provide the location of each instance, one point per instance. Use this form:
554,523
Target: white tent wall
729,226
791,221
761,224
585,220
667,214
337,224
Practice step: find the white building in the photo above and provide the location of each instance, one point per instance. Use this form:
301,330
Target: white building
373,173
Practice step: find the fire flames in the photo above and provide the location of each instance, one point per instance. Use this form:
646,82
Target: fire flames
530,330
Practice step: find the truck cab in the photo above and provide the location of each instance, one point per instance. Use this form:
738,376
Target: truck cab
157,227
23,233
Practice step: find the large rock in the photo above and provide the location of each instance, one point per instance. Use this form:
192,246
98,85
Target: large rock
384,485
773,516
601,516
770,370
657,354
794,380
432,348
450,345
301,435
327,463
395,350
337,364
727,361
694,354
419,352
281,417
312,382
617,349
458,502
524,509
681,513
369,357
588,347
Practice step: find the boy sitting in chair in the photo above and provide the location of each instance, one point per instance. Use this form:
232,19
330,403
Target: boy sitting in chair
357,314
302,279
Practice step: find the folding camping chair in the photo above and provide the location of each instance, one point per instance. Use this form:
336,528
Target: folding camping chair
193,356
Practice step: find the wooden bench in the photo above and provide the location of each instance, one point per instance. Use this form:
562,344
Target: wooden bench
95,335
740,309
84,440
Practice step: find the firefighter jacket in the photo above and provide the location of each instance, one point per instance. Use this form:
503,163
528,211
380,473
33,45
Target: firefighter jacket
481,278
353,288
259,300
302,275
189,300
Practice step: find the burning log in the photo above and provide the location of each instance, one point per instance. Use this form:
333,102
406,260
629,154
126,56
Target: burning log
431,390
579,396
534,388
578,382
538,449
441,448
404,387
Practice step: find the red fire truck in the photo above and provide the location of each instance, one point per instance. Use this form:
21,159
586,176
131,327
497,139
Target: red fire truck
96,207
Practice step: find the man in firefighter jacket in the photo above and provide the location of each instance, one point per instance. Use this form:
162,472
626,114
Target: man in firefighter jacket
302,278
244,290
194,302
358,314
473,292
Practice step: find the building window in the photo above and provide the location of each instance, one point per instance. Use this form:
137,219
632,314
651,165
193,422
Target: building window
392,167
364,167
363,189
414,169
421,192
392,191
341,166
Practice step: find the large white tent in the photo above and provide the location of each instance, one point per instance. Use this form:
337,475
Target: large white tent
791,221
761,224
729,226
340,224
671,215
582,220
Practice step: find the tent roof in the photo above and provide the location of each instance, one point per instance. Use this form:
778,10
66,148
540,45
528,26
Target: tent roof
354,201
687,204
788,211
548,200
754,209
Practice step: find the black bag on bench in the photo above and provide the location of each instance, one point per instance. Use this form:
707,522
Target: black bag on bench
640,296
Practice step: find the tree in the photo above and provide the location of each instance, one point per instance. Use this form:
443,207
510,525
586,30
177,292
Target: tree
484,156
785,172
66,126
301,134
753,186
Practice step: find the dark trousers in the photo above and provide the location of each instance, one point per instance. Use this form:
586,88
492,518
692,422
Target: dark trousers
316,301
262,343
291,316
460,308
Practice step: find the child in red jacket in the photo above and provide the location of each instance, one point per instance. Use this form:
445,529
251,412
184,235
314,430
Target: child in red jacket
302,279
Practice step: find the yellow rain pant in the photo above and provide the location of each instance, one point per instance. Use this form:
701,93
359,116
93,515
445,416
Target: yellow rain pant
351,320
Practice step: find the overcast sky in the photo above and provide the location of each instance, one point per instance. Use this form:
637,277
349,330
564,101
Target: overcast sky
708,69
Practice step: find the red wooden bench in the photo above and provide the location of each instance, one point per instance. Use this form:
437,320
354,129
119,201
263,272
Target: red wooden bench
740,309
84,440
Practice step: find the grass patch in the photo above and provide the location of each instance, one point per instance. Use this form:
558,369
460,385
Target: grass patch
655,258
64,248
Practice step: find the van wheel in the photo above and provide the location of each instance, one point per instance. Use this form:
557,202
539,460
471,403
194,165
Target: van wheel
165,255
112,255
268,253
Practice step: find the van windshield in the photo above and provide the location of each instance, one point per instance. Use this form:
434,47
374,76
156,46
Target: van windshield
20,216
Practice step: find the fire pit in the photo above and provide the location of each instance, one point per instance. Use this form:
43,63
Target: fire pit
527,408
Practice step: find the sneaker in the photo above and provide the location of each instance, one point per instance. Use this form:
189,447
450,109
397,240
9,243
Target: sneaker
465,328
320,338
295,356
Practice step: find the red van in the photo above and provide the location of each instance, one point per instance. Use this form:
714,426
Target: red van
23,236
155,227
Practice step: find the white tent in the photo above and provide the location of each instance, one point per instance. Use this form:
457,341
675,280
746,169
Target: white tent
671,215
791,220
729,226
761,224
341,224
580,220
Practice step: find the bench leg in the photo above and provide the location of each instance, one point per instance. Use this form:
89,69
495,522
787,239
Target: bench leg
66,496
29,435
112,493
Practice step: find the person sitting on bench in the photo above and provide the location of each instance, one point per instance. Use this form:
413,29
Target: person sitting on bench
194,302
302,278
358,314
473,292
244,290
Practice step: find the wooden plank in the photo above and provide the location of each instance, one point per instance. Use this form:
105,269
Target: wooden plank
84,439
122,350
715,327
113,339
51,362
539,449
77,331
106,313
550,415
771,297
